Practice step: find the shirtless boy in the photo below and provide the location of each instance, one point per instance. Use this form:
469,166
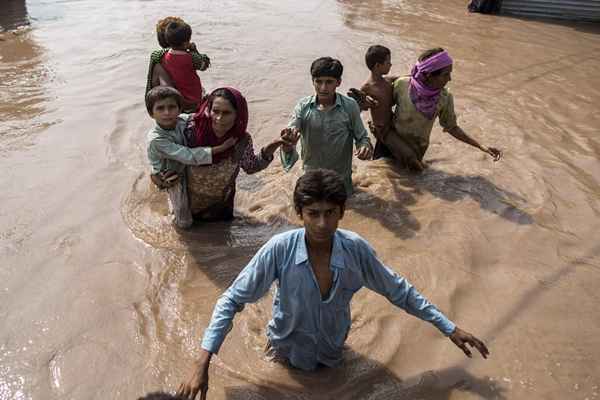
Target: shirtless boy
380,100
419,100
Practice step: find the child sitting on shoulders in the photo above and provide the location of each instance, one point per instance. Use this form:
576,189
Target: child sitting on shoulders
176,63
168,150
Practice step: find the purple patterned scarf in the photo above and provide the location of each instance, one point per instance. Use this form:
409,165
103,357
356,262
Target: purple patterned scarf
424,98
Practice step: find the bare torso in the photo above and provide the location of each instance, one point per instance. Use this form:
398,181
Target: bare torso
382,91
319,262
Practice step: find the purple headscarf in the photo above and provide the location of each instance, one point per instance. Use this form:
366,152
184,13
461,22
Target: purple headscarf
424,98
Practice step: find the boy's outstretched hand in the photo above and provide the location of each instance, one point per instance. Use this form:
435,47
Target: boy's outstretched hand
461,338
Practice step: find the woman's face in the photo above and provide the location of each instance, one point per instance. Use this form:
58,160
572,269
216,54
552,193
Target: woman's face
440,80
222,115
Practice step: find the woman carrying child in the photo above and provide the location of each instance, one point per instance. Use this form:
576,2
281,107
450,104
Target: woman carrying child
207,192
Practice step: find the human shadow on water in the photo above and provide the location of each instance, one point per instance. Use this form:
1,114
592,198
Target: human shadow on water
453,188
490,197
362,378
222,249
391,212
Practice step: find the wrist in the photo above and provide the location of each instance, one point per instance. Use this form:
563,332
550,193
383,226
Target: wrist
266,155
204,359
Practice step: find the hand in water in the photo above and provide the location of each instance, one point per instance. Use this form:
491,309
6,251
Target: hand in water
494,152
197,382
461,338
289,137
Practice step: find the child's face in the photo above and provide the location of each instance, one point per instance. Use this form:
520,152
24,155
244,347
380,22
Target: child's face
165,112
325,87
384,68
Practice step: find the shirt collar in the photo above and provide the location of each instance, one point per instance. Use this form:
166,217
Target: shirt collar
338,100
337,253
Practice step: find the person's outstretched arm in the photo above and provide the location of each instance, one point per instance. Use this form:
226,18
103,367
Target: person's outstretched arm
403,294
461,135
447,119
250,285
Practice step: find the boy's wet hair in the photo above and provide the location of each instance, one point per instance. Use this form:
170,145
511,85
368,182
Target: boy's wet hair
224,93
160,93
319,185
161,27
430,53
326,66
376,54
160,396
178,33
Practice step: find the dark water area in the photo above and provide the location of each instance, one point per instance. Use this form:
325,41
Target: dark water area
100,297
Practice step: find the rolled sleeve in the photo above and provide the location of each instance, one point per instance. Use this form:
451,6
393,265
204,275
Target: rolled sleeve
399,291
250,285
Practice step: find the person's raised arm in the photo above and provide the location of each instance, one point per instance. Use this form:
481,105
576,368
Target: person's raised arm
403,294
250,285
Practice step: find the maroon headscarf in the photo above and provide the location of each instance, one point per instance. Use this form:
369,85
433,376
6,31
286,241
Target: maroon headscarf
203,131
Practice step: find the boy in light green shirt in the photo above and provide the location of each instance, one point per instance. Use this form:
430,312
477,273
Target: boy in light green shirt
328,125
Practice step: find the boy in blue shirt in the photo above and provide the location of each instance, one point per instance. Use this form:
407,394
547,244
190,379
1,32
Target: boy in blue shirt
318,269
328,124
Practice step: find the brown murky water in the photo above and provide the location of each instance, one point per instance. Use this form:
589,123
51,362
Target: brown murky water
99,298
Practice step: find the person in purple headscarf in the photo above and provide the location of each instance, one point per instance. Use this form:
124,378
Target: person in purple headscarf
421,98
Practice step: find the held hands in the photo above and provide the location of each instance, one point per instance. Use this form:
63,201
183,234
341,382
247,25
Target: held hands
494,152
364,152
461,338
289,138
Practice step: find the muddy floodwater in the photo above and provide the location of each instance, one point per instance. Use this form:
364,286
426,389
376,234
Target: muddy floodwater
101,299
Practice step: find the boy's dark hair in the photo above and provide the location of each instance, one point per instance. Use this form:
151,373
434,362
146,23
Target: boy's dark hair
224,93
160,396
319,185
430,53
178,33
376,54
160,93
161,27
326,66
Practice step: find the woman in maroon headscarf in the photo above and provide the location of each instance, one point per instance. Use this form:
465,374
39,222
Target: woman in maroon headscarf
210,190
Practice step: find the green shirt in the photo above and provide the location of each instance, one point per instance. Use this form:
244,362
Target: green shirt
327,136
413,126
167,148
